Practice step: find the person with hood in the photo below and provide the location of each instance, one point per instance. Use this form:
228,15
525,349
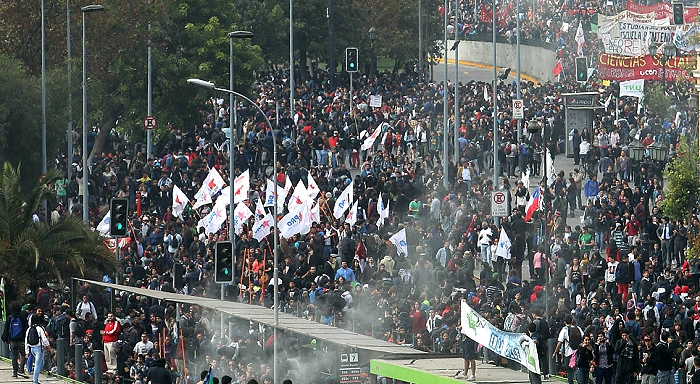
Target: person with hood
158,374
15,330
388,264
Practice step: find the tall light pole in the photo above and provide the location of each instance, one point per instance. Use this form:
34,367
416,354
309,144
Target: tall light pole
495,101
275,271
291,70
43,93
373,65
517,44
149,97
456,46
69,168
446,112
232,126
85,10
421,63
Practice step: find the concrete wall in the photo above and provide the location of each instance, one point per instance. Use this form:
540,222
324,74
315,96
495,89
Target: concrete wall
534,61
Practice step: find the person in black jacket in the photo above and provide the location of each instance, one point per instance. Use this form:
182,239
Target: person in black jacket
665,374
158,374
649,355
628,358
584,360
603,362
16,343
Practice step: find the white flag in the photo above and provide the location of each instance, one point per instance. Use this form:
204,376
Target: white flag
212,222
634,88
343,202
315,214
259,209
270,194
383,213
503,249
240,216
262,227
213,182
369,142
551,173
351,218
180,201
306,220
580,39
525,178
241,186
202,197
299,197
103,226
312,189
399,240
283,193
292,223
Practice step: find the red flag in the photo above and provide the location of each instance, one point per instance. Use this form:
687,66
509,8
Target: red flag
558,68
138,204
470,227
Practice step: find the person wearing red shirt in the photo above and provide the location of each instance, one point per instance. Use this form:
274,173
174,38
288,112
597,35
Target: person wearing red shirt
418,318
110,335
632,227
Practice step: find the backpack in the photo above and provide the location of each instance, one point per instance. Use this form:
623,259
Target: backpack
174,242
16,329
59,327
80,327
574,337
33,336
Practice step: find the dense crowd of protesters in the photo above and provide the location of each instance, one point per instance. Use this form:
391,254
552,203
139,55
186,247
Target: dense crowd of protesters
616,288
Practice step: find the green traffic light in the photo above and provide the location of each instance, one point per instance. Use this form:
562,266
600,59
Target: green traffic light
119,226
226,271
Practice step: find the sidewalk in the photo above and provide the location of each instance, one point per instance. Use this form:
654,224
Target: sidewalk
6,375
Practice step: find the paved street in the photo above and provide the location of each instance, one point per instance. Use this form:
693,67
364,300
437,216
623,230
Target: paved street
6,375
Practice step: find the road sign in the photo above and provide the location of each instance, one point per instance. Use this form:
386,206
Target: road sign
518,111
149,122
350,368
499,204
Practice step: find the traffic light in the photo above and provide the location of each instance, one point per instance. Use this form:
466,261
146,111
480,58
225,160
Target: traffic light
352,58
178,275
581,69
678,18
223,262
118,217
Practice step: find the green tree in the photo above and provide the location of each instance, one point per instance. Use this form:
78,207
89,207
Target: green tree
683,188
657,101
52,252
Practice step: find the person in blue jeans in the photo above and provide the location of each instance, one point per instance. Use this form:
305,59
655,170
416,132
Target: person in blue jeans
584,360
36,349
603,353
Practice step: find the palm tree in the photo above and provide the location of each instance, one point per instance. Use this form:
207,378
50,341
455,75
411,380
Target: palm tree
51,252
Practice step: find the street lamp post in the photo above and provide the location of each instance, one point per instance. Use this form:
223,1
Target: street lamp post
668,52
69,155
457,153
86,9
373,65
232,126
275,271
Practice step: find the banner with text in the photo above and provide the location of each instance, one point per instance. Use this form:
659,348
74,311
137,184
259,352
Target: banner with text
663,10
606,24
624,47
611,67
681,39
514,346
648,33
633,88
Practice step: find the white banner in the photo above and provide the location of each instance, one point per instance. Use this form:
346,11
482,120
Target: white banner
375,101
514,346
399,240
607,23
681,39
633,88
644,32
624,47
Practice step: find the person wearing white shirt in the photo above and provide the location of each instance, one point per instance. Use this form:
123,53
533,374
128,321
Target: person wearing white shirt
485,236
584,147
36,349
432,320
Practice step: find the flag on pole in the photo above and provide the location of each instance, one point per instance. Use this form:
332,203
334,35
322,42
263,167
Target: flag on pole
259,209
262,227
533,204
525,179
558,69
343,202
351,218
369,141
503,248
607,101
299,196
399,240
291,223
315,214
212,222
551,172
213,182
202,197
241,215
241,186
306,220
180,201
580,39
270,194
103,226
312,188
383,211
